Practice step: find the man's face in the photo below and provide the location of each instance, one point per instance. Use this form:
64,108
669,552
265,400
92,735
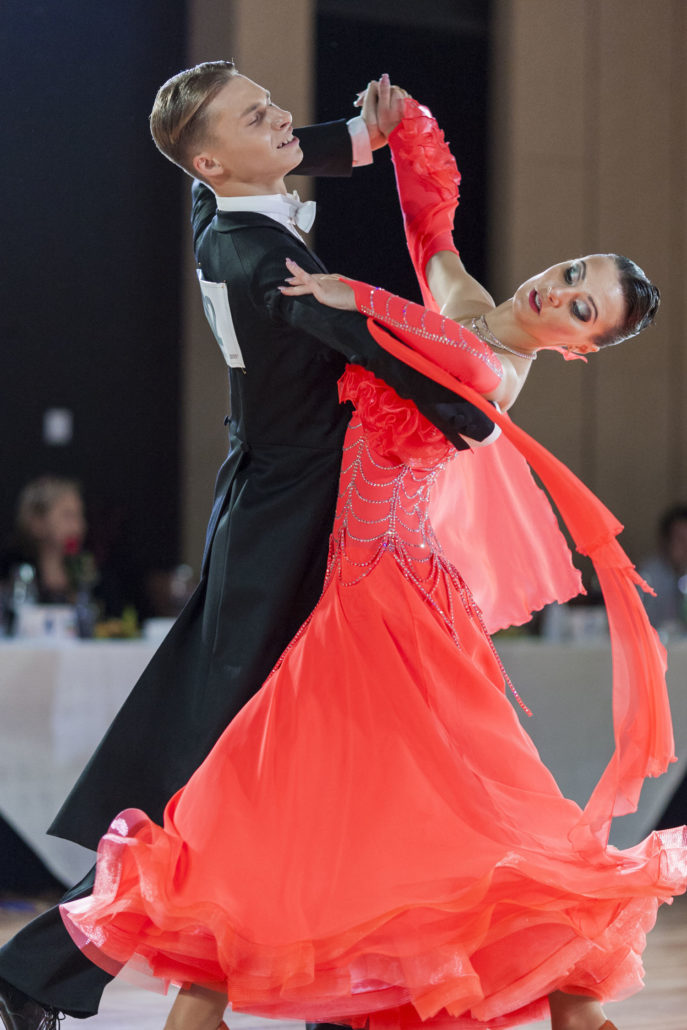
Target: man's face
250,145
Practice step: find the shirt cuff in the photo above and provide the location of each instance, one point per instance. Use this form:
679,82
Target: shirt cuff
360,141
492,438
493,435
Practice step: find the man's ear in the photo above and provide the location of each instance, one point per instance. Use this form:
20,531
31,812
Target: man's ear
207,167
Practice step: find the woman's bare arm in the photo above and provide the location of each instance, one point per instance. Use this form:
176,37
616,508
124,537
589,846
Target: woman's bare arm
457,293
461,297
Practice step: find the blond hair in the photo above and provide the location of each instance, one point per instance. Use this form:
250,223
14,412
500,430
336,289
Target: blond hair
38,497
178,120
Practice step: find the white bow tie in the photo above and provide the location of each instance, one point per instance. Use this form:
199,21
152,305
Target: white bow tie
302,211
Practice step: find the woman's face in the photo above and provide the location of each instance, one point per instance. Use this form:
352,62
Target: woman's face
571,303
63,521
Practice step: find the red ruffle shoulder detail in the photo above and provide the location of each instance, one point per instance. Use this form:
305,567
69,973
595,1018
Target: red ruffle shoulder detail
394,428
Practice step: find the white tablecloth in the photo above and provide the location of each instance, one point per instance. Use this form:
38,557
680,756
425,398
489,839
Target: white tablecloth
56,701
568,688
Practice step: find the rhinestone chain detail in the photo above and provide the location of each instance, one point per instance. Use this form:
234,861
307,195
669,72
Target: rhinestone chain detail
361,537
444,336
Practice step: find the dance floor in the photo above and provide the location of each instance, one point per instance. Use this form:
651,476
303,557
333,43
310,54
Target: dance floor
662,1005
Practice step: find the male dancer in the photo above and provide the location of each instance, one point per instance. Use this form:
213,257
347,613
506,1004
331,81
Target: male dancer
275,497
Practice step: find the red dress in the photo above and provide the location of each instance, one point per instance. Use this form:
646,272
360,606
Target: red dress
374,837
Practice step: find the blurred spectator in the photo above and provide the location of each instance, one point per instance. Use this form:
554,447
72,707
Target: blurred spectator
666,572
49,535
50,529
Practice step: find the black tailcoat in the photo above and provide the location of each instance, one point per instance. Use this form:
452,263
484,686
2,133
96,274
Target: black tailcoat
267,540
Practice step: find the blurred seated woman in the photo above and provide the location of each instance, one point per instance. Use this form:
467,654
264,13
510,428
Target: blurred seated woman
50,529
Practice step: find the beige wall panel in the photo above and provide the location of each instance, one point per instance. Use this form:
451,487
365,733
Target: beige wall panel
537,57
633,443
609,80
271,39
676,283
539,185
271,42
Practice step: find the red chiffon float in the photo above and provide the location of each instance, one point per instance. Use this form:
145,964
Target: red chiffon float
375,838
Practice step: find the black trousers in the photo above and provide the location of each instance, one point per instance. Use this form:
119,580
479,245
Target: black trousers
43,962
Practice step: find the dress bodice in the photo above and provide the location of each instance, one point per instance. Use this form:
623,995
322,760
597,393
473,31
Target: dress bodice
392,455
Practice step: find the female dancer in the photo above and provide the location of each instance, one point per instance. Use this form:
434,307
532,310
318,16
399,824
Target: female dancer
374,839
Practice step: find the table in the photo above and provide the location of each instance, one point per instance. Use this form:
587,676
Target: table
57,700
568,688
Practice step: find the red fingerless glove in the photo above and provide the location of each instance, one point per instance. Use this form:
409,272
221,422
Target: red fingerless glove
427,179
450,345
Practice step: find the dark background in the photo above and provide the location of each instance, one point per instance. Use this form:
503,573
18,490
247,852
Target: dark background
439,53
93,232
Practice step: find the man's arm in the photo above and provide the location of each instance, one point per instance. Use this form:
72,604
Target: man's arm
347,333
327,149
378,102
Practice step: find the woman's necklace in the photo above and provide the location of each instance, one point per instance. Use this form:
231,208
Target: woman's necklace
481,329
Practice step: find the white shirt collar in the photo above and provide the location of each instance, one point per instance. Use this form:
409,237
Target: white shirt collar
279,206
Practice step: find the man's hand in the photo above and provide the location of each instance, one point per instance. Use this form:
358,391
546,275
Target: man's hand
381,108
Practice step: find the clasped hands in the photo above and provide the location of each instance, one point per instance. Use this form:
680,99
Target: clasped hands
381,107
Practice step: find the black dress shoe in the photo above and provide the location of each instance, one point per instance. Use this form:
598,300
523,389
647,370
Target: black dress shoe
19,1012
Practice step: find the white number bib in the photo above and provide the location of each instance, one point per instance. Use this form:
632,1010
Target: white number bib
218,314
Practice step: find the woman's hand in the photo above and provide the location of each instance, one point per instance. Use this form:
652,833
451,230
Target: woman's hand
382,105
327,289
